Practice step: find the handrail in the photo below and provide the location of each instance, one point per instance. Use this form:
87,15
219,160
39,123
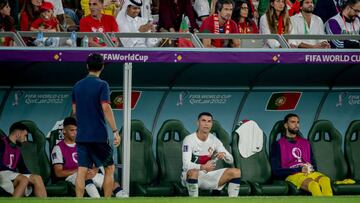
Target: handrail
322,37
244,36
66,34
171,35
15,37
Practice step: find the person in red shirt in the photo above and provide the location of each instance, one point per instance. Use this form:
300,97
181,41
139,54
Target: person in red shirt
29,13
47,22
243,16
220,22
98,22
171,12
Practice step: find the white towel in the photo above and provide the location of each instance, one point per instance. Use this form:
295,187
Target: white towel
250,138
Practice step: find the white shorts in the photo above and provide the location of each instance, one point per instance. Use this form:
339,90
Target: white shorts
207,180
202,8
98,179
7,178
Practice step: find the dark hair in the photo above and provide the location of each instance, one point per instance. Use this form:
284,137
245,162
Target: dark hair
69,121
272,18
220,3
205,114
237,9
7,23
348,2
29,9
17,126
95,62
290,115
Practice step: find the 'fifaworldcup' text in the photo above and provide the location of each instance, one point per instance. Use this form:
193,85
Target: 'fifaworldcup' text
332,58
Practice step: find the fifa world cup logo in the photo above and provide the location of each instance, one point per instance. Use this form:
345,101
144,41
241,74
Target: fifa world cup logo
296,152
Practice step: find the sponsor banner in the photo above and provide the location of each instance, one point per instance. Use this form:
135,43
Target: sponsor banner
283,101
184,56
117,99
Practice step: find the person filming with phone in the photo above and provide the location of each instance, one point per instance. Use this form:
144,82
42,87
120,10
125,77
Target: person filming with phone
129,20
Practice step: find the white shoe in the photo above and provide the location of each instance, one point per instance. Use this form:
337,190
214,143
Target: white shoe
121,194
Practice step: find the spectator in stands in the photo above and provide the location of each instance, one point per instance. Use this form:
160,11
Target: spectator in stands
73,13
47,22
171,12
65,163
202,10
346,22
292,6
243,16
98,22
220,22
6,22
129,21
110,7
201,150
276,20
58,12
326,9
15,177
307,23
29,13
292,159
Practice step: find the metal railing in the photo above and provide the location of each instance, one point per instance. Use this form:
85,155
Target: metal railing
194,38
33,34
163,35
17,40
279,38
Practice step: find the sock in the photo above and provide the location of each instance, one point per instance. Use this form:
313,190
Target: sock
234,187
91,189
325,185
118,192
193,187
314,188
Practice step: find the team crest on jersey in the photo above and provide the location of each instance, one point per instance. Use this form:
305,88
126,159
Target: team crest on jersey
185,148
211,151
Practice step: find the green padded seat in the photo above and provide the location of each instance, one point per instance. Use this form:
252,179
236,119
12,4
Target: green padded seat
224,137
37,161
256,170
169,154
352,149
326,145
274,136
143,166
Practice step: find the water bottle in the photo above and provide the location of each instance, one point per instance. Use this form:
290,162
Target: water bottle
39,41
85,41
73,38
